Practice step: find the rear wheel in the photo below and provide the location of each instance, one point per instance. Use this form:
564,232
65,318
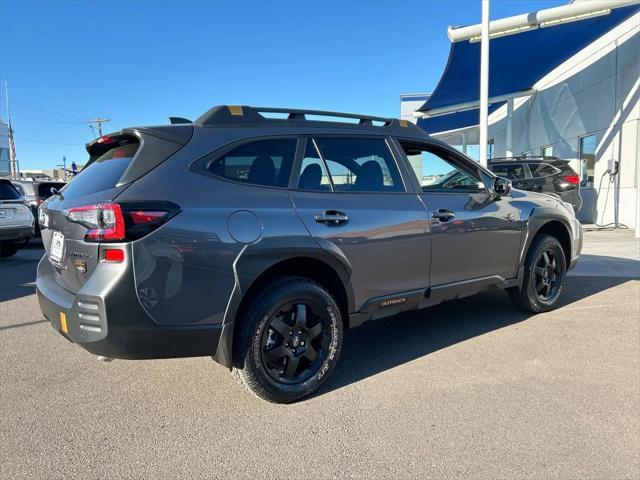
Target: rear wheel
544,273
288,340
8,249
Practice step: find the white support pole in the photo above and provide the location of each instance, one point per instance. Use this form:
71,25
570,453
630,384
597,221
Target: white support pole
484,83
509,147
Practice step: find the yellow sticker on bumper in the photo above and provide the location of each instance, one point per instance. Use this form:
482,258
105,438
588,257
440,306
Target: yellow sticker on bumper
63,322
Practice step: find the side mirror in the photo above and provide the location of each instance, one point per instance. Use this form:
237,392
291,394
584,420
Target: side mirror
502,186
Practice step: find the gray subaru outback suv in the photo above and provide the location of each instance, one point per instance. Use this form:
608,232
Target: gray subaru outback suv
257,235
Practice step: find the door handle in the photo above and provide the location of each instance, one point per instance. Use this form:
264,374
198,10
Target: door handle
332,218
443,215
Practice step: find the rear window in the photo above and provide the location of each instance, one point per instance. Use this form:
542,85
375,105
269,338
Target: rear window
8,191
103,173
44,189
542,170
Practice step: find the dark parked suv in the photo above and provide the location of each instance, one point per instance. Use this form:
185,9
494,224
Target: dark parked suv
258,240
541,174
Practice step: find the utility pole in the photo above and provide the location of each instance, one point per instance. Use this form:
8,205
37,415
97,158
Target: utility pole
13,162
64,168
484,83
98,122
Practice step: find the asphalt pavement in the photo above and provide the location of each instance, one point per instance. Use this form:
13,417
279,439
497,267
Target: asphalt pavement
469,389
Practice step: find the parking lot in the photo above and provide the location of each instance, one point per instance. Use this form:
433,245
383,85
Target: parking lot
471,388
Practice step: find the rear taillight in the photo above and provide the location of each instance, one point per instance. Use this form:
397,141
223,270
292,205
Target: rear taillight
572,179
104,221
112,222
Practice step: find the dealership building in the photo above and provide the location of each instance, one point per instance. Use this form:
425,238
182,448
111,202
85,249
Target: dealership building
5,169
569,89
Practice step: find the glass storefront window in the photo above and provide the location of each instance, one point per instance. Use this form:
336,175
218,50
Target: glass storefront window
587,160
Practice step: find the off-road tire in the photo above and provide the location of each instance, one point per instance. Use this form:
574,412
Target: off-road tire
528,298
248,351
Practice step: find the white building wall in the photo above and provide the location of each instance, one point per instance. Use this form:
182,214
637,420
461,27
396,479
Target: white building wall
595,92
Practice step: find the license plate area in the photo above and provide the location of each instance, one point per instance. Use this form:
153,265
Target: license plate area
56,248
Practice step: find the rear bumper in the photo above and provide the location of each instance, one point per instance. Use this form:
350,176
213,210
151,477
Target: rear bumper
105,318
16,233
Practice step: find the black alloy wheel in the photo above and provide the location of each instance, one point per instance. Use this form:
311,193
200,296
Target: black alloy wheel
547,275
295,342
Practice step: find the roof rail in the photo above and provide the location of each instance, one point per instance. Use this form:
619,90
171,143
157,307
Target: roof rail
241,114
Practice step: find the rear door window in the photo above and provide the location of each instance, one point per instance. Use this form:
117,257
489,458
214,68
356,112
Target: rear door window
265,162
103,173
313,174
512,171
360,165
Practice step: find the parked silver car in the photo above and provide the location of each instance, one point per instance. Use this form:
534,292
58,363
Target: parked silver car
16,220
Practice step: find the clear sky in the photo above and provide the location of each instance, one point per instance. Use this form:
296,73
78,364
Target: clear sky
137,62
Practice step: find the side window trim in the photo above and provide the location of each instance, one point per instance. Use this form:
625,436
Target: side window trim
324,164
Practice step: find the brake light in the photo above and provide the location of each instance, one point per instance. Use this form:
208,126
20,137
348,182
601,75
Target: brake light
104,221
572,179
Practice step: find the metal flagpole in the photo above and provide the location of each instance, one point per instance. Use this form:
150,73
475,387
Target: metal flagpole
484,83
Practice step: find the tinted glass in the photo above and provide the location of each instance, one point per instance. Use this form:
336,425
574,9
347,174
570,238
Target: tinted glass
266,162
20,189
8,191
103,173
588,159
44,189
313,175
436,172
360,165
511,171
542,170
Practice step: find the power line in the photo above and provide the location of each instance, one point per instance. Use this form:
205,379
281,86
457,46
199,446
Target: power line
98,122
29,140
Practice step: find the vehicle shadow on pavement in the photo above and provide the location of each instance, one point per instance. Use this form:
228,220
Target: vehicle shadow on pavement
383,344
18,273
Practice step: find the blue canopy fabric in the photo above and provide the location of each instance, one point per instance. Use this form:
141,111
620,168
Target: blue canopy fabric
453,121
516,63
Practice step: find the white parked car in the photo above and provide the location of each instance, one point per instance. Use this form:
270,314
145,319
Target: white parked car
16,220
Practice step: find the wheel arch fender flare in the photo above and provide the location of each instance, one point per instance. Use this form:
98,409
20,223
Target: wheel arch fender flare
257,259
542,220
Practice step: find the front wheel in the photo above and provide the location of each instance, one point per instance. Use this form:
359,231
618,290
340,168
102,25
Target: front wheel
544,273
288,340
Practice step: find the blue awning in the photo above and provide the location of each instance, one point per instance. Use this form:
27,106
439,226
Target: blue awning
516,63
454,121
